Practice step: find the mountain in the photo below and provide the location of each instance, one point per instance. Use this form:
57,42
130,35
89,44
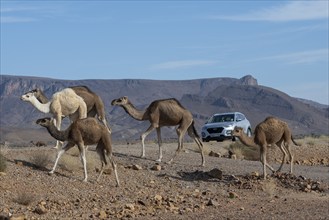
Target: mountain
203,97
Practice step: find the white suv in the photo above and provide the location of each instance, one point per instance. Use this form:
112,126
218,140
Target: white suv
219,127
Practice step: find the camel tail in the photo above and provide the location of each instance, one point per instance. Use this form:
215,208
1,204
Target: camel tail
99,105
196,133
295,141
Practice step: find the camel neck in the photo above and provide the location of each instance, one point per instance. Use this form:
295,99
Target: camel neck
45,108
135,113
58,135
42,98
248,141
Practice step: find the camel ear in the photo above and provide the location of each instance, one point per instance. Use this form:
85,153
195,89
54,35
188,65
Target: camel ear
125,98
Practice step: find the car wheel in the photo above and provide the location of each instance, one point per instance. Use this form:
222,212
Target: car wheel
233,139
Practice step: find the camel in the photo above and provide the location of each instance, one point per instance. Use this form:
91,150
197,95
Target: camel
83,132
166,112
272,131
63,103
94,102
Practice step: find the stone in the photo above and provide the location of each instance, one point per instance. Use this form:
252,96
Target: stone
214,154
216,173
102,215
17,217
233,195
136,167
40,209
130,206
156,168
212,202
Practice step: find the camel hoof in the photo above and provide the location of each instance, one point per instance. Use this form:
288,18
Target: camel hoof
50,173
158,160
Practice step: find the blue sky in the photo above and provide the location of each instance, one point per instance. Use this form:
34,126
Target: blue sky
283,44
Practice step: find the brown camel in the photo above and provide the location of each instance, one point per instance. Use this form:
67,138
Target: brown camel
272,131
83,132
166,112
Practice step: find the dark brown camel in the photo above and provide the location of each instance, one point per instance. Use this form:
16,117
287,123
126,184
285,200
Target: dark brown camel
83,132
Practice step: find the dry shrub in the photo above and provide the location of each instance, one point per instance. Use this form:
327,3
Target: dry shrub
24,198
74,152
73,163
269,187
243,151
3,163
40,159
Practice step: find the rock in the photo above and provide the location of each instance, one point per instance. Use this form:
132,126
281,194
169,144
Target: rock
212,202
233,156
255,174
216,173
158,197
130,206
136,167
156,168
214,154
3,174
19,163
40,209
233,195
17,217
102,215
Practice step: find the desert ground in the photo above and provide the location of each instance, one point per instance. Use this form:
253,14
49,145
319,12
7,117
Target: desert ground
228,187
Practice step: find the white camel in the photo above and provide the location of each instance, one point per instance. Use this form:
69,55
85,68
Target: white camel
63,103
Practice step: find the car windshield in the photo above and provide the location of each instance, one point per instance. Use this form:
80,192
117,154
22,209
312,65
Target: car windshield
222,118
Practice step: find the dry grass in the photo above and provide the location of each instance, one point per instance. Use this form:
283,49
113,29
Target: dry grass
40,159
73,162
24,198
313,141
244,152
269,187
3,163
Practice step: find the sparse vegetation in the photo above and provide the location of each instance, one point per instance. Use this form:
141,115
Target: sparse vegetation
3,163
24,198
243,152
40,159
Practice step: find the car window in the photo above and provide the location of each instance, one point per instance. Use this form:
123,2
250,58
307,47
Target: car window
222,118
240,117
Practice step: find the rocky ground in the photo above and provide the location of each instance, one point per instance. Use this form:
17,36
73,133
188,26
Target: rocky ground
224,189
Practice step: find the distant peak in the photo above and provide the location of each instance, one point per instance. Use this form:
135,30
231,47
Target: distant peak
248,80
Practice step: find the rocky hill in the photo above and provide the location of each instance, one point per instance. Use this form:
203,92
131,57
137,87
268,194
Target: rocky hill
202,97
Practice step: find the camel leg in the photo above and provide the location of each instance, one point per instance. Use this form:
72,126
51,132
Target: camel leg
158,129
83,160
101,154
191,133
291,157
143,136
58,122
114,167
282,148
263,160
68,146
180,133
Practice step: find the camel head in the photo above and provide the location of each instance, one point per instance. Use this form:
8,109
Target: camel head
237,131
28,95
45,122
120,101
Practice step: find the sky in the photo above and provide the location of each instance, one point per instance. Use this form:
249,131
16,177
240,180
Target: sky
283,44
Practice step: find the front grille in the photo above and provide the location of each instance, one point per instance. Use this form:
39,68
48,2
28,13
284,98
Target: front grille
215,130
